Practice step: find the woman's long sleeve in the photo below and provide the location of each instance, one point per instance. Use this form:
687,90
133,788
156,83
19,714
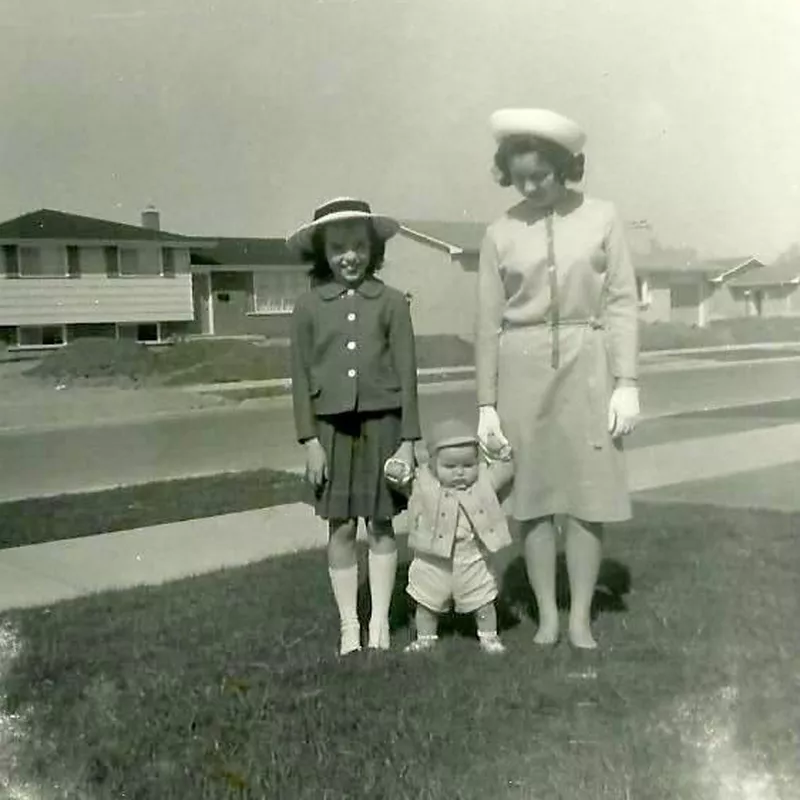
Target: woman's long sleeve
489,320
622,304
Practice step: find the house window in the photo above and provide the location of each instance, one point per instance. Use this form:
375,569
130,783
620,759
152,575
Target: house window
140,331
73,261
128,261
168,262
8,335
276,291
42,262
30,261
112,262
11,259
41,335
92,330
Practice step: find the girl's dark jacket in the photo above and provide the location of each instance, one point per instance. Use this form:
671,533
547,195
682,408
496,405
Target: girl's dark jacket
353,350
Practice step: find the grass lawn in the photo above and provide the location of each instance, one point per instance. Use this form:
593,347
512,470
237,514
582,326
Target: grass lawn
198,361
226,685
69,516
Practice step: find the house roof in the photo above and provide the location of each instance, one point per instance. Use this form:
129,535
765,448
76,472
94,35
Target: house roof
776,274
684,261
461,236
258,252
49,224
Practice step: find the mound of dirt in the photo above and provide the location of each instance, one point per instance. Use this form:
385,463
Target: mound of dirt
96,361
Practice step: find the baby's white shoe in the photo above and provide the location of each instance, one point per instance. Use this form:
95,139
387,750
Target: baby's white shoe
490,643
421,644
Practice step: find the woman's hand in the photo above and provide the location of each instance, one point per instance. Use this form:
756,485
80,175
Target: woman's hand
316,464
490,434
623,410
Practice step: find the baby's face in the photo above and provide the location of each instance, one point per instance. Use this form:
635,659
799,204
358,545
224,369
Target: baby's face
457,467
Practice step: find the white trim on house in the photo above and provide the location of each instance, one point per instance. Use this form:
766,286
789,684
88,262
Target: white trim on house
702,305
452,249
732,271
209,300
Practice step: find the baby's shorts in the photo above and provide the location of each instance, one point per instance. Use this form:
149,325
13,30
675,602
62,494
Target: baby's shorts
466,579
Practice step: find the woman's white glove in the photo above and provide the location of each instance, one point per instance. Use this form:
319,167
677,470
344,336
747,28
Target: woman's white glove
623,410
490,434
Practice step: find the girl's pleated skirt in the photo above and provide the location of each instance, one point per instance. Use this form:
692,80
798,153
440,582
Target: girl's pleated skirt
357,445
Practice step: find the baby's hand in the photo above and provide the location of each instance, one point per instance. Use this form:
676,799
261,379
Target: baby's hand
503,453
397,471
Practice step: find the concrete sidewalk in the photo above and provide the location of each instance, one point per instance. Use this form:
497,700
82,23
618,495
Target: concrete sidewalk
47,573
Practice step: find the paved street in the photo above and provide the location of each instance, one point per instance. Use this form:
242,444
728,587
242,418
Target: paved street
261,434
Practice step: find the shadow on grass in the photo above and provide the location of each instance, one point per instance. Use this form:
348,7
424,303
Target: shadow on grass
515,601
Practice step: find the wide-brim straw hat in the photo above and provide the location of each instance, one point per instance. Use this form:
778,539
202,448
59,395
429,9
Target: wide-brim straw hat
338,210
539,123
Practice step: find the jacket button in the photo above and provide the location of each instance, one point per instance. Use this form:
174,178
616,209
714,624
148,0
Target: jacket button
351,373
351,316
351,345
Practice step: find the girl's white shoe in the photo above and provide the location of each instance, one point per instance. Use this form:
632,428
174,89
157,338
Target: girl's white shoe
350,639
421,644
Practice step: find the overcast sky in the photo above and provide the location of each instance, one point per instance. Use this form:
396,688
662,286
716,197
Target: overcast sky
237,117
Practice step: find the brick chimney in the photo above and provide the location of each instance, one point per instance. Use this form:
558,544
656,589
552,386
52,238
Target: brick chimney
151,218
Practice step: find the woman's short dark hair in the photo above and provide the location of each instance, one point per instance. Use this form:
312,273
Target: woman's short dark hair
320,271
567,166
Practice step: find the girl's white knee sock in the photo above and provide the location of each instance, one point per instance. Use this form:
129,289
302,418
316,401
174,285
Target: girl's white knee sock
344,583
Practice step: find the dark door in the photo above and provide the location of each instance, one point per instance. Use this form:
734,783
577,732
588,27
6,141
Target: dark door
231,298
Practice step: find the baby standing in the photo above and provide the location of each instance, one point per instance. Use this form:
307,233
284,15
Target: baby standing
354,392
455,523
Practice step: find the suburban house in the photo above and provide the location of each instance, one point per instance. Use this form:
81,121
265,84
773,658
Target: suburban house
65,276
773,291
436,264
677,286
246,286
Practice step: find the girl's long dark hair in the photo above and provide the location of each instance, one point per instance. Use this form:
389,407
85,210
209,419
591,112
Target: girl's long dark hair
320,271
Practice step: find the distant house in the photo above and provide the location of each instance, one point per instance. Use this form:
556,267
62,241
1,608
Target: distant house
246,286
773,291
249,286
676,285
436,264
65,276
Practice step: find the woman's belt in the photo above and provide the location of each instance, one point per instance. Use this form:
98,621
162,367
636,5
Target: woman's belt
595,323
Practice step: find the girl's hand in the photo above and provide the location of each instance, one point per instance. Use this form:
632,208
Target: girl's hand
399,468
623,410
490,434
316,464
